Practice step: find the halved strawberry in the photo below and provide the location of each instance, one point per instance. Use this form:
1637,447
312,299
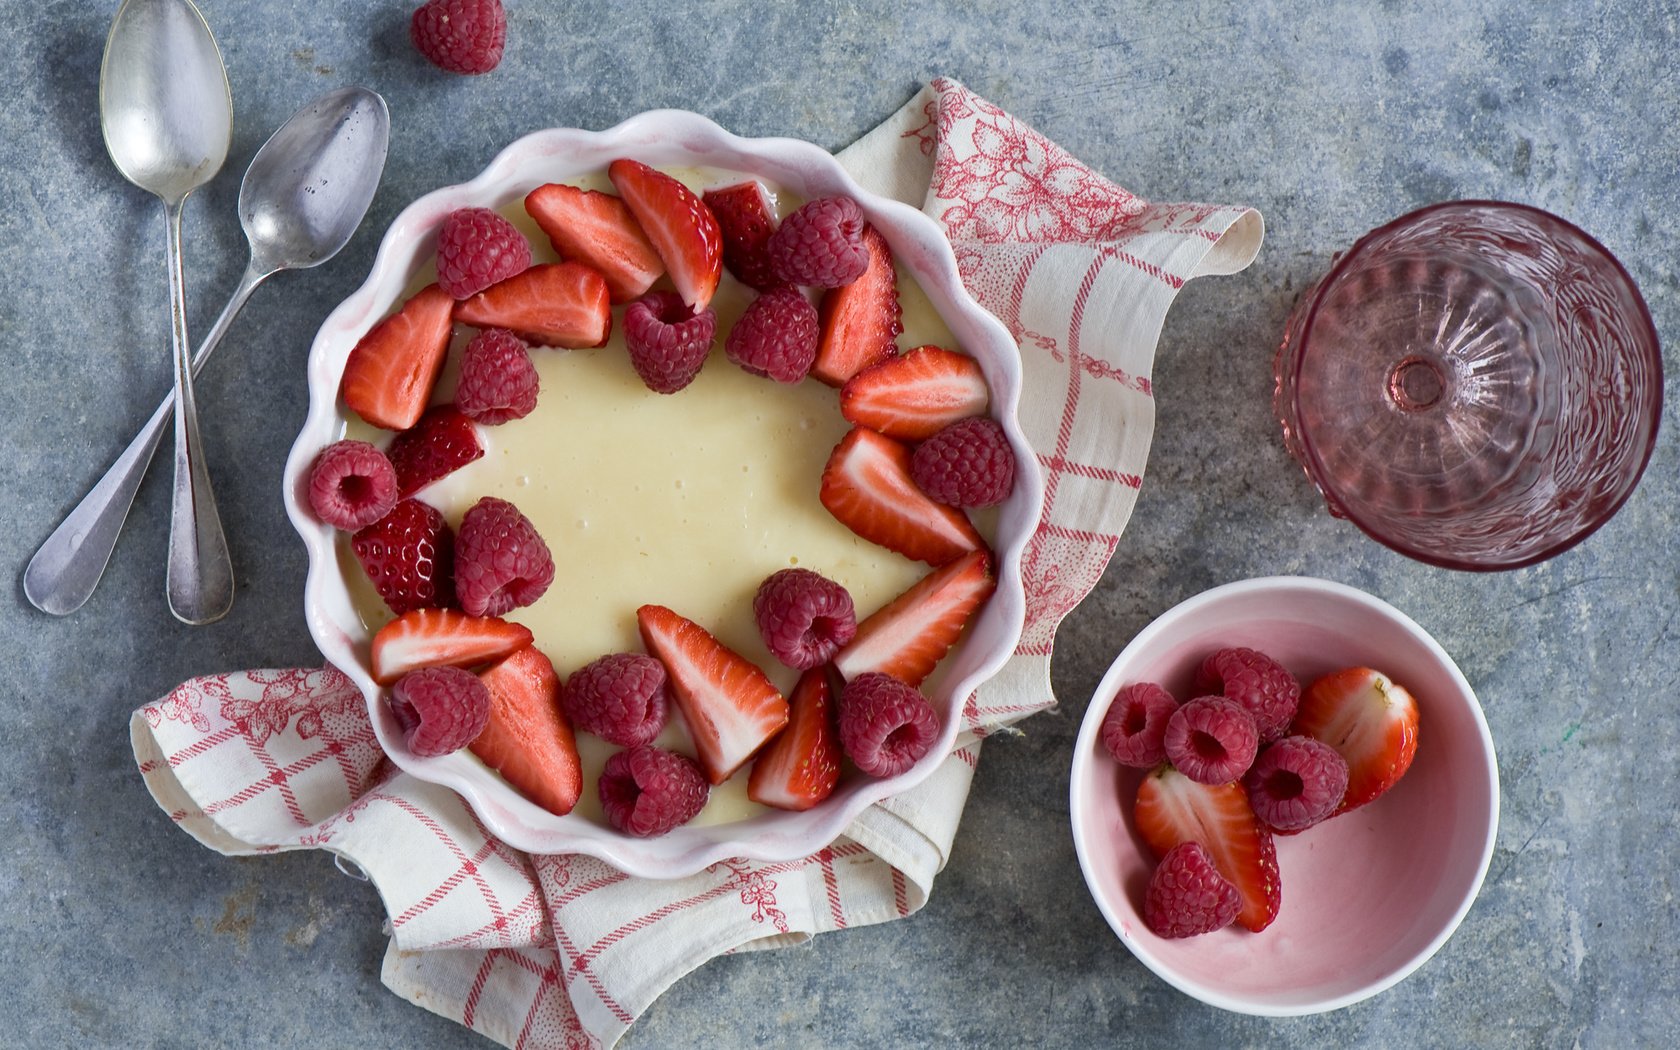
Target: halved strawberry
681,227
908,636
598,230
867,486
801,766
556,304
432,637
746,221
528,739
443,442
1172,808
1370,720
913,397
390,373
409,555
860,321
728,704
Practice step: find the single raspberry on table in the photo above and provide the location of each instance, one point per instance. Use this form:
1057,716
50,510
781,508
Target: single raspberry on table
352,485
440,709
621,698
776,336
442,442
498,381
803,617
648,790
1296,782
967,464
1135,728
885,726
1211,740
820,245
500,561
1187,896
460,36
1259,683
409,554
476,249
667,342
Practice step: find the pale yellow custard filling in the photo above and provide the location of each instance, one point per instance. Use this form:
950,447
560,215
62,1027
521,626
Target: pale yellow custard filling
688,500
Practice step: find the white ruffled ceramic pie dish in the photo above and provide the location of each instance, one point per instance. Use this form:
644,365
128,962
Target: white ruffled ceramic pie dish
665,139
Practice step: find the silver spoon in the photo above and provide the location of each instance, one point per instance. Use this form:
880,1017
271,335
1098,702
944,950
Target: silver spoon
167,116
304,194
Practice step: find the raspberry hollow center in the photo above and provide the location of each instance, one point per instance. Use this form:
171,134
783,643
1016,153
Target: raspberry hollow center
1284,785
1207,746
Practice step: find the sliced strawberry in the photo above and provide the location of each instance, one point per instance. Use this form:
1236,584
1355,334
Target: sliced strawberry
860,321
598,230
557,304
801,766
409,555
1172,808
1370,720
728,704
867,486
443,442
528,739
390,373
915,396
433,637
681,227
908,636
746,221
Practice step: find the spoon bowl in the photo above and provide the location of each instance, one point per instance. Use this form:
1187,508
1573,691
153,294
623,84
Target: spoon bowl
164,105
309,186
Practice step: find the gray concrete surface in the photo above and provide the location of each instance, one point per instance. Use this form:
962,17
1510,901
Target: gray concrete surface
117,930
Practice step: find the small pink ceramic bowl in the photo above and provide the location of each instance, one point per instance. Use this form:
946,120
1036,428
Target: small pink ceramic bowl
1367,896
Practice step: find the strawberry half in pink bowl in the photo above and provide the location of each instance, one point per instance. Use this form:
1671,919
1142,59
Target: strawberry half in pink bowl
1352,904
704,587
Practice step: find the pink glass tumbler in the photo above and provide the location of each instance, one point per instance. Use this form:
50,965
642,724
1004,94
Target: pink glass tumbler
1476,384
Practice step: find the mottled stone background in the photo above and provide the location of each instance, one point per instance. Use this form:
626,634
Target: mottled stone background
115,929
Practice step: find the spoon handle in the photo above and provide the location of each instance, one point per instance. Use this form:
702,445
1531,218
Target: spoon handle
200,577
65,570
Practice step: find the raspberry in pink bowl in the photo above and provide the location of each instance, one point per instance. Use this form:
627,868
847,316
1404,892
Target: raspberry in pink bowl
344,614
1368,895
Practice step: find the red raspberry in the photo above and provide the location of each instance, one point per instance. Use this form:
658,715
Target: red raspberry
1255,681
648,790
460,36
408,554
885,726
442,442
667,343
498,381
820,245
621,698
1187,895
1135,728
1211,740
746,222
477,248
1296,782
352,485
967,464
500,561
776,336
440,709
803,617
